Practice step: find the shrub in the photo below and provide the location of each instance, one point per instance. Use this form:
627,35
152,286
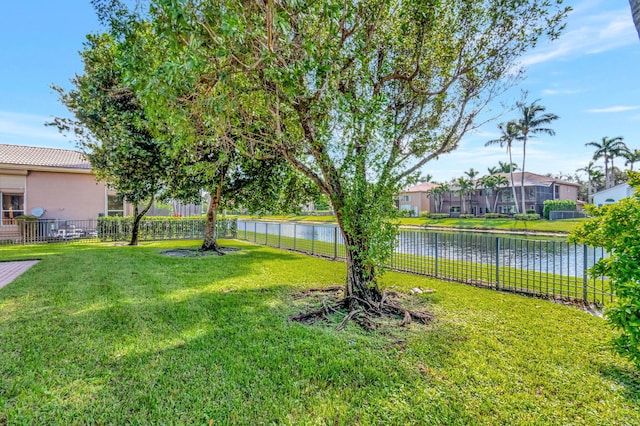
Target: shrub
406,213
562,205
531,211
526,216
467,216
496,216
425,214
615,227
118,228
439,215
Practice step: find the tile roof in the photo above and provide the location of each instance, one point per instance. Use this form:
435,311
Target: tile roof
422,187
533,179
18,155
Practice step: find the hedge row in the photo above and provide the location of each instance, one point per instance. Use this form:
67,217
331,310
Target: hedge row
117,228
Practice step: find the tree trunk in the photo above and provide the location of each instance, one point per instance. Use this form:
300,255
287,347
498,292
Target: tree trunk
513,186
136,221
361,289
524,156
606,172
635,11
210,242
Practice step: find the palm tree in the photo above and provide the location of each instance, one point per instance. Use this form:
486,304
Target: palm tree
632,157
491,183
500,182
509,134
464,187
506,167
532,122
493,170
592,172
472,173
438,194
608,149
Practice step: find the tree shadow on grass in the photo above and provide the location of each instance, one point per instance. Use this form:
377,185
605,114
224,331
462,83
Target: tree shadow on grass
628,377
190,340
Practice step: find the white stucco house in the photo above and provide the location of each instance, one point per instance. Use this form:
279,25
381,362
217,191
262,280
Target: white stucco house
612,195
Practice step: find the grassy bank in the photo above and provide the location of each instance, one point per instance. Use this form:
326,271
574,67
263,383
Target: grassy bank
556,226
110,335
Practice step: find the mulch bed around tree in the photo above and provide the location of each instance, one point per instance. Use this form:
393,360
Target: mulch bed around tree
197,252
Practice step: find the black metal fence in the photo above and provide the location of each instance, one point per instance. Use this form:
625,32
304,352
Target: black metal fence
97,230
546,268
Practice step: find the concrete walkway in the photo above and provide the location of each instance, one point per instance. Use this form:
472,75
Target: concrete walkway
9,271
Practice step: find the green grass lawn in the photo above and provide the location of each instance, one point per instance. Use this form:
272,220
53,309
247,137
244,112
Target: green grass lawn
111,335
556,226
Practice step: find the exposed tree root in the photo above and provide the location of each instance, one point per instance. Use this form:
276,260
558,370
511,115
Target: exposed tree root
367,314
199,252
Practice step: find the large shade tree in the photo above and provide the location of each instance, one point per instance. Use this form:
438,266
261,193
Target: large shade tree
358,96
200,149
112,129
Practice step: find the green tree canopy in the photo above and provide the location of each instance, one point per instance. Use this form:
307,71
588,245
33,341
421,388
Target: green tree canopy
358,96
112,129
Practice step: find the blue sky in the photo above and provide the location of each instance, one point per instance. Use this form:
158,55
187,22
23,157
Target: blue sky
590,77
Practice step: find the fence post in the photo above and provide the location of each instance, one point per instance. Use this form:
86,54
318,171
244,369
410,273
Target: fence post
436,253
497,263
585,280
335,242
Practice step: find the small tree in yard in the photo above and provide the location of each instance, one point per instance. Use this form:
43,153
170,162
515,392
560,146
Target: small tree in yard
358,96
201,148
112,129
615,227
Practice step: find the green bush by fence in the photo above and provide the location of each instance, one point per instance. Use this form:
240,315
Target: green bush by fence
562,205
117,228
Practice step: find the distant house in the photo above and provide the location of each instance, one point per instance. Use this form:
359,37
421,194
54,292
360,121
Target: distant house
537,189
416,199
612,195
51,183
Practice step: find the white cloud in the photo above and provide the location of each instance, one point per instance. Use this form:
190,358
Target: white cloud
552,92
618,108
589,32
25,129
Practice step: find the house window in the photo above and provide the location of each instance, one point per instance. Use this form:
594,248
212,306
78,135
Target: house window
405,198
506,197
531,193
454,209
507,209
12,206
115,205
